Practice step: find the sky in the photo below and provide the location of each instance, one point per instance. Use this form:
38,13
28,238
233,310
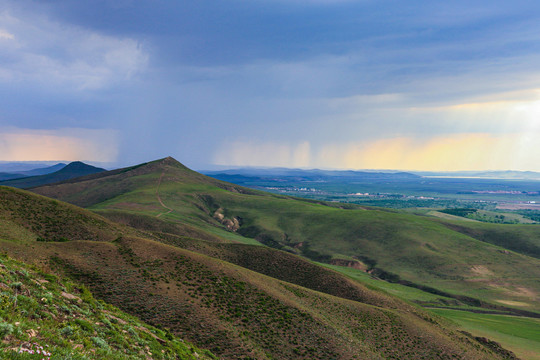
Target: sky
335,84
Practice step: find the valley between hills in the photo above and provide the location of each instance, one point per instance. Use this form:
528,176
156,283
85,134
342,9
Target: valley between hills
236,273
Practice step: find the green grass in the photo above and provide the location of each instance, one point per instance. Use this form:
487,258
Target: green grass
446,216
40,311
225,308
479,260
198,295
501,217
403,292
441,254
412,247
497,217
32,216
520,335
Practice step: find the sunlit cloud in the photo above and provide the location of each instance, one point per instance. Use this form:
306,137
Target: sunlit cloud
62,144
516,112
523,102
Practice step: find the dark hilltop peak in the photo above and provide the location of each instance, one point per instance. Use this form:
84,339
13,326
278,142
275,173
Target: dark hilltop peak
77,163
168,161
81,168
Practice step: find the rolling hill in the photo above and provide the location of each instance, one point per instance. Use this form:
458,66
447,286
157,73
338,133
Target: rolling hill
72,170
239,301
477,264
10,176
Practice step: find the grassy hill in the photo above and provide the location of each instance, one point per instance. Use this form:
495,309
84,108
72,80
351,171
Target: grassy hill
226,297
481,264
45,316
30,217
72,170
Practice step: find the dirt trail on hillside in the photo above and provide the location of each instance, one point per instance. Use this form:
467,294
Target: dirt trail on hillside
159,198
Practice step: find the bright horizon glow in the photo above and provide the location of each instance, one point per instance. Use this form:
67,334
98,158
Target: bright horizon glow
459,152
60,145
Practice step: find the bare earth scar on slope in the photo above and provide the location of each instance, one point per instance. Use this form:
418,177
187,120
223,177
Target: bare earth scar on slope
512,303
481,270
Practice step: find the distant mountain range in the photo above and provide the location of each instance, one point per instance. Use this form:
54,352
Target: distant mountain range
49,175
233,175
19,167
503,174
8,175
314,174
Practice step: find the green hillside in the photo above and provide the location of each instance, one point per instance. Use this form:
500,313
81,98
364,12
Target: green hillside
229,309
44,316
480,264
38,218
521,332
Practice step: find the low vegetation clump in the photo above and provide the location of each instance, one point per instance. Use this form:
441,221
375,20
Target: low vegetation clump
489,216
534,215
45,317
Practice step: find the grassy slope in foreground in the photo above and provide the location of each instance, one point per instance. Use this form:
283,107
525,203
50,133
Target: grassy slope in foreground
454,258
234,311
62,320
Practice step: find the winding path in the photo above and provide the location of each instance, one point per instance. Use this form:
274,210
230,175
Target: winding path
159,198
